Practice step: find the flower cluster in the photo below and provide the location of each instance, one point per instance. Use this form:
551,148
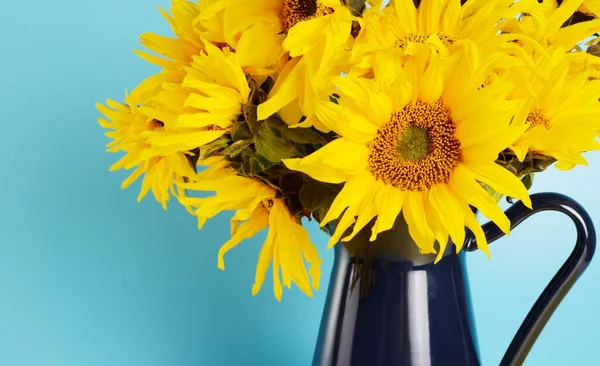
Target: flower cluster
354,113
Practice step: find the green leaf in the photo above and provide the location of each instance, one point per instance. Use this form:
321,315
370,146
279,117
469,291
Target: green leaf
317,196
237,147
271,146
215,147
240,131
258,164
251,118
303,135
527,180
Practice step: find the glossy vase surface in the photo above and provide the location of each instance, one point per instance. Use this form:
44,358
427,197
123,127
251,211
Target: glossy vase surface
389,305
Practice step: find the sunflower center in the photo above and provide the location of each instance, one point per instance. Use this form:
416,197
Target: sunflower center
296,11
416,149
413,145
537,118
419,37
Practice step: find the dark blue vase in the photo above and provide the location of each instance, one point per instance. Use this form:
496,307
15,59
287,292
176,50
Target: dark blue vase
389,305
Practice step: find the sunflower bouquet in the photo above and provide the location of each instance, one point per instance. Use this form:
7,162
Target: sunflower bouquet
351,114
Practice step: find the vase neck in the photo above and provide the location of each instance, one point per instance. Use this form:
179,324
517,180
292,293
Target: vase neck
393,245
412,314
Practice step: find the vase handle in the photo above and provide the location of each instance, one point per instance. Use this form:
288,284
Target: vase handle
564,279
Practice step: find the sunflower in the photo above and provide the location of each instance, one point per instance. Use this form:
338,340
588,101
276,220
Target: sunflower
306,24
213,95
315,33
257,207
418,140
130,128
562,113
438,23
182,108
547,23
193,30
190,31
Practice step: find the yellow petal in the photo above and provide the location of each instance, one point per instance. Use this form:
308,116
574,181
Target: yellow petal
302,37
245,213
472,223
366,212
572,35
488,146
291,114
133,177
347,220
259,47
429,15
449,211
264,261
204,119
431,84
185,141
407,15
159,61
354,127
285,89
257,222
414,214
501,180
224,70
216,97
277,288
463,184
437,227
312,257
351,195
377,106
334,162
389,201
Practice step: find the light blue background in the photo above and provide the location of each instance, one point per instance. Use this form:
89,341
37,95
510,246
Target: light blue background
89,277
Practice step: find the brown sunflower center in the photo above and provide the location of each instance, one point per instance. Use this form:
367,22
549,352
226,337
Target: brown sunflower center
419,37
296,11
416,149
537,118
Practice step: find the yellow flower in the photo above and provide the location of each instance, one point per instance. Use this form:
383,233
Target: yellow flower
544,22
419,140
189,30
130,128
562,113
257,207
194,100
204,106
477,21
306,24
316,34
259,45
438,23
